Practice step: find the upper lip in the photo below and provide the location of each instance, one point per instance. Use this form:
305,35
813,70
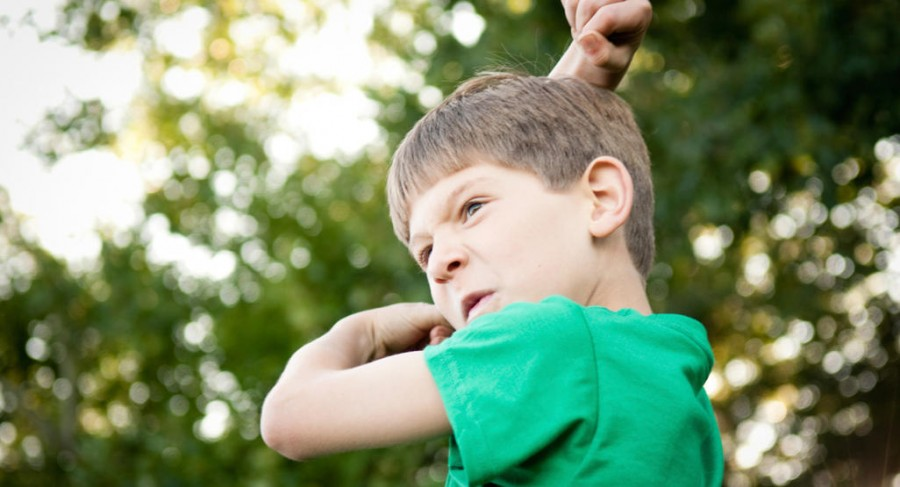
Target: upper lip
471,300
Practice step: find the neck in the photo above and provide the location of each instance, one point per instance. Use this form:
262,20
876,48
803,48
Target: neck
620,286
627,293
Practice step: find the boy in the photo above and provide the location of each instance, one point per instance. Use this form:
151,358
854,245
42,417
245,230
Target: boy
528,203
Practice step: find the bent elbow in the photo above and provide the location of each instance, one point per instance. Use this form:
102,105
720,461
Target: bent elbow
281,444
280,433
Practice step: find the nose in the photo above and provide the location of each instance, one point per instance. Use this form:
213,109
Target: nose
446,260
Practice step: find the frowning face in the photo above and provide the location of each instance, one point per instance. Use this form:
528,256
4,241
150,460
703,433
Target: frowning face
488,236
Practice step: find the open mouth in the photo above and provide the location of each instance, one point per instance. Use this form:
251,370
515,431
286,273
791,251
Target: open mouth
474,303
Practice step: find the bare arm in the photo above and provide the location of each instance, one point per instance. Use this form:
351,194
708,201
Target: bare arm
345,391
606,35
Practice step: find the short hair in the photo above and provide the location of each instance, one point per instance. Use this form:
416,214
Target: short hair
551,127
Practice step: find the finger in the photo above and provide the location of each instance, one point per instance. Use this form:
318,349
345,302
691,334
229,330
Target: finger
600,52
420,316
439,334
400,326
418,346
595,48
586,11
621,22
570,6
583,14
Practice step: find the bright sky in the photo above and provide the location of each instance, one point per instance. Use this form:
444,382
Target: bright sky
64,206
67,207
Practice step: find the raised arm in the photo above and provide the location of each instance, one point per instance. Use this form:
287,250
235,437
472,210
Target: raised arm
355,388
606,35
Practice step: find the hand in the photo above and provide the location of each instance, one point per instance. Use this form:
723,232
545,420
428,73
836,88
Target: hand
403,327
334,395
607,33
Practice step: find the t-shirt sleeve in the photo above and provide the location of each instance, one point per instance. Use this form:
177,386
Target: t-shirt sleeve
515,383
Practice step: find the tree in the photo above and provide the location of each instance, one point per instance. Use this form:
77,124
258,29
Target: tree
262,133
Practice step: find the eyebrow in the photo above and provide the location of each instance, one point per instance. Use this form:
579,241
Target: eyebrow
464,186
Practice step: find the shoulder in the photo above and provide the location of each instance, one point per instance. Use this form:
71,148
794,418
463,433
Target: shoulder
551,312
516,382
531,352
662,330
651,347
549,324
683,326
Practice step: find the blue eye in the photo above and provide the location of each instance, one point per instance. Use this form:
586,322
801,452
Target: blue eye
471,207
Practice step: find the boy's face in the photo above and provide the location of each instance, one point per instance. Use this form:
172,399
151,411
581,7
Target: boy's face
488,236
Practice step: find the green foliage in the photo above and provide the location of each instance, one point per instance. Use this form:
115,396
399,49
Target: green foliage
777,227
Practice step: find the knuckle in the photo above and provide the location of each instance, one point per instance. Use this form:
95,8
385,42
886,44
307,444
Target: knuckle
645,6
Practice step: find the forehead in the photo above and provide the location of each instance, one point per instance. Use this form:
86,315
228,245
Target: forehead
439,201
441,194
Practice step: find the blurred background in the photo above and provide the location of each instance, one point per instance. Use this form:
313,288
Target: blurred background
189,191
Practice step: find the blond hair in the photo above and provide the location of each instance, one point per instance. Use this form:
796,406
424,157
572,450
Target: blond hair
551,127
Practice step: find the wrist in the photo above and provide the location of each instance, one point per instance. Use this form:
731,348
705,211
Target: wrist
599,77
574,64
353,338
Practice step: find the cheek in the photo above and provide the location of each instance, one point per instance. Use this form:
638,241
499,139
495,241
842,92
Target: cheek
440,299
435,292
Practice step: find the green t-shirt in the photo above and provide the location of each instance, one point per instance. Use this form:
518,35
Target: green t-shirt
555,393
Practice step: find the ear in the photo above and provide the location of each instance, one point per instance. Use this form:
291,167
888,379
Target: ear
612,193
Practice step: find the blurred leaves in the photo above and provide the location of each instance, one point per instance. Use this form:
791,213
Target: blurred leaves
262,132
